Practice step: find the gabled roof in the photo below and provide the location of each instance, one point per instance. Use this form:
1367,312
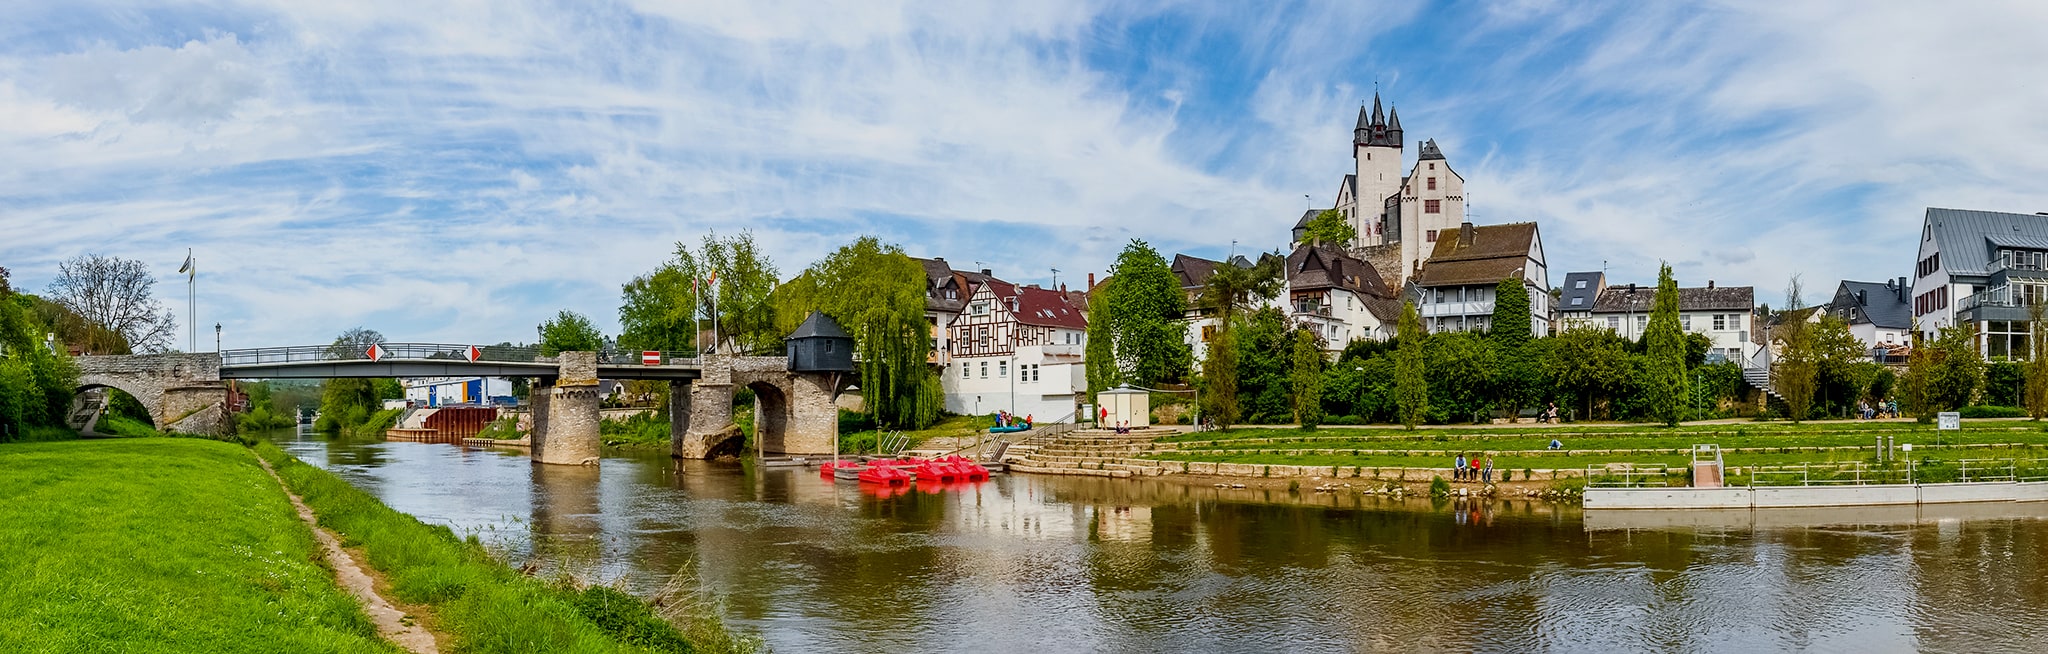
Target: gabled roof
819,325
1043,307
937,276
1494,253
1193,271
1429,151
1878,303
1585,297
1302,224
1968,238
1314,267
1640,299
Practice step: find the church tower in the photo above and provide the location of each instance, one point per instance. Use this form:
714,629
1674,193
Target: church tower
1376,148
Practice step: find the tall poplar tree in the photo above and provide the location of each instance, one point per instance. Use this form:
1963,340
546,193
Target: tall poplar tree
1520,370
1306,377
1231,291
1665,344
2037,363
1100,353
1411,387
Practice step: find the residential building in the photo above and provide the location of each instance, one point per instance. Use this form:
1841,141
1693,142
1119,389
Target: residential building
1575,299
1459,278
1725,314
1194,273
945,294
1340,296
1398,217
1983,268
1879,313
1018,349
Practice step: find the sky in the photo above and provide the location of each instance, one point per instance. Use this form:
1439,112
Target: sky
459,171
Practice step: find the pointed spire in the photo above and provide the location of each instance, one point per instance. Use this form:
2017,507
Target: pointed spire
1363,122
1430,151
1394,120
1379,119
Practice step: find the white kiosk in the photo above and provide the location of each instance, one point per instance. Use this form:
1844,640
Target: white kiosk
1127,407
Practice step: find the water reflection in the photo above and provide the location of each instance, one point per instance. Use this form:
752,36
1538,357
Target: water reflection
1051,564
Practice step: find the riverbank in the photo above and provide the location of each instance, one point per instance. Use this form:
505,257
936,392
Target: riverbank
154,544
478,601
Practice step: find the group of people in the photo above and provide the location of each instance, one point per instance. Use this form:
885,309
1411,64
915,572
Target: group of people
1882,409
1472,469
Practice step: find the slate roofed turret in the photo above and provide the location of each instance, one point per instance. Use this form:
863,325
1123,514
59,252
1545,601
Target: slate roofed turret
1430,151
1394,125
1373,128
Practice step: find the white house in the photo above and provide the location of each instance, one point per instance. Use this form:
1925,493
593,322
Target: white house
1985,268
1726,314
1459,278
1879,313
1017,349
1340,296
1576,298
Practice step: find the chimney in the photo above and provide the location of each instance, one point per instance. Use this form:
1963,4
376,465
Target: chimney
1904,290
1710,284
987,273
938,258
1063,289
1465,235
1091,282
1862,297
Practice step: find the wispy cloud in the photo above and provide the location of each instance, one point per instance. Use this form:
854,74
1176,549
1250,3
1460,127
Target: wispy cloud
459,171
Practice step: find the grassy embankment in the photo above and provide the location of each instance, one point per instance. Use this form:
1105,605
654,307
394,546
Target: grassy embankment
1525,448
482,604
161,545
857,435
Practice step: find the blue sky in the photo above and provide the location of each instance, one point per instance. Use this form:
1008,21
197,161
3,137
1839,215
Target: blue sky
457,172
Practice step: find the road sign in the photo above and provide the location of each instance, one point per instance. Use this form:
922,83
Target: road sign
1948,420
650,358
475,353
376,352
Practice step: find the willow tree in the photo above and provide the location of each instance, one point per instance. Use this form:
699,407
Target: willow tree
1665,343
2037,363
877,294
1411,386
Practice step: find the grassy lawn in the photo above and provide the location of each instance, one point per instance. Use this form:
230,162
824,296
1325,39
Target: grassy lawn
161,545
947,427
1621,441
481,604
1568,432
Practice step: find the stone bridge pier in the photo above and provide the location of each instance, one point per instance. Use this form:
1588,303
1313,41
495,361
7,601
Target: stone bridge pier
183,392
565,413
793,411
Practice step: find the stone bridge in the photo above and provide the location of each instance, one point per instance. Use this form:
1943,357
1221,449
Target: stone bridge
793,411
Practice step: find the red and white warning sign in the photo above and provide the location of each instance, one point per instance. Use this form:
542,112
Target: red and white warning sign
475,353
376,352
650,358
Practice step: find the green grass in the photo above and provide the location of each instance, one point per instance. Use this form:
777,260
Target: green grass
113,425
638,430
1584,431
1509,461
947,426
1620,441
502,429
483,605
161,545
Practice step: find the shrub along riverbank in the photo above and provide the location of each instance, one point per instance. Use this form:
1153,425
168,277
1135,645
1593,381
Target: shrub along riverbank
158,545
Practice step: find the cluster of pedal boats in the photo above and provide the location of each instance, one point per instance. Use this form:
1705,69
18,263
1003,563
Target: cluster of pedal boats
902,471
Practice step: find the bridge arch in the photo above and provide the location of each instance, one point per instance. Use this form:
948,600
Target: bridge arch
150,398
182,392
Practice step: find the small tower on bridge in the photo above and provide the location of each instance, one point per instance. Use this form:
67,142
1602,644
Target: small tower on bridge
820,345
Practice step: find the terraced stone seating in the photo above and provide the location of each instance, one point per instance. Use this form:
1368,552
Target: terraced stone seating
1091,452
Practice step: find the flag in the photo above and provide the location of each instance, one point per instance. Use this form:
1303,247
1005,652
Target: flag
189,268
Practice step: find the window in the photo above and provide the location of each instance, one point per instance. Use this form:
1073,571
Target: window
1432,233
984,370
1685,322
1432,183
1639,322
981,308
1578,301
981,334
966,370
1432,206
1432,166
1002,369
1581,284
1439,296
1614,322
1720,322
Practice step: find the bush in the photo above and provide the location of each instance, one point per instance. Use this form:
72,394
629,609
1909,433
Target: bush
1982,411
1438,487
640,428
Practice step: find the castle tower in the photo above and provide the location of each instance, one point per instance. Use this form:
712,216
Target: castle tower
1376,149
1432,205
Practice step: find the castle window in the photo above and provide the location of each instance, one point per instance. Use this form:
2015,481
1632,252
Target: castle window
1432,206
1432,166
1432,183
1432,233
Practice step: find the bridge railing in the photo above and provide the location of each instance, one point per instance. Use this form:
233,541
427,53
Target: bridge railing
390,351
617,357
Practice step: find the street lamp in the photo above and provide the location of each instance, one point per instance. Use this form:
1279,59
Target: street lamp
216,338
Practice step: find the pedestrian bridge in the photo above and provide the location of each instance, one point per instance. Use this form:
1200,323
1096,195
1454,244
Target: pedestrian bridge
794,409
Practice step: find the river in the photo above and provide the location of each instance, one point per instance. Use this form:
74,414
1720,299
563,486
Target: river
1051,564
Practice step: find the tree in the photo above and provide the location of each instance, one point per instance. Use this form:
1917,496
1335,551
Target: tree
1794,294
877,294
36,382
1957,371
1264,382
115,294
1099,358
658,311
1462,368
665,309
1307,378
1146,312
1665,345
1411,387
1794,372
1231,290
1520,372
346,404
1913,386
1842,366
1587,363
2037,366
569,331
1330,228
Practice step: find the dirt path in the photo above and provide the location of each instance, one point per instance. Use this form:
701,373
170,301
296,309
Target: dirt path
391,622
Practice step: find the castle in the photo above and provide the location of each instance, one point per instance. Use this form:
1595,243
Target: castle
1397,217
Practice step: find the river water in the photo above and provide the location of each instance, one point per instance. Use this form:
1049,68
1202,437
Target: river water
1047,564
